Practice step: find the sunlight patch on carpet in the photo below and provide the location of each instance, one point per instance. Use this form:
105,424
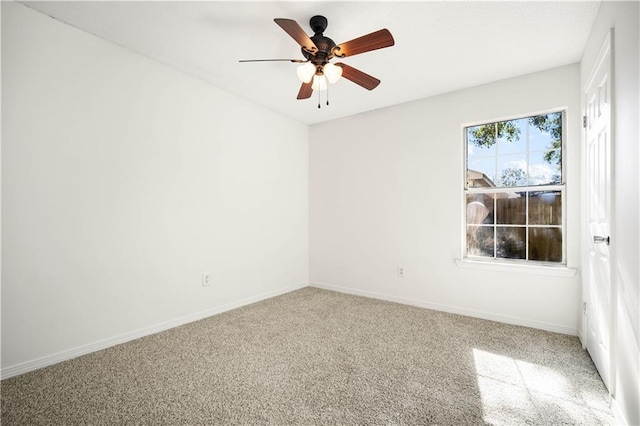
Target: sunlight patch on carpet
516,390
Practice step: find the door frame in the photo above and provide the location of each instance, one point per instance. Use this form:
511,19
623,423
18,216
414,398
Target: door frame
606,48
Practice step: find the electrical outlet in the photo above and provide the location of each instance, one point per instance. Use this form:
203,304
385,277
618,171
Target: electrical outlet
401,271
206,280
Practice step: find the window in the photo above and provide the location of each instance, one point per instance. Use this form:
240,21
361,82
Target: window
515,190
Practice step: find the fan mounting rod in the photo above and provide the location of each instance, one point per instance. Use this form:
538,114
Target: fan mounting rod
318,24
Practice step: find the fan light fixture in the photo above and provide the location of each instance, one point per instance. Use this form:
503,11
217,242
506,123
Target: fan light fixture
333,72
319,82
306,72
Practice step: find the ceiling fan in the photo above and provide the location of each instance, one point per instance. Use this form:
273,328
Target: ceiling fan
318,51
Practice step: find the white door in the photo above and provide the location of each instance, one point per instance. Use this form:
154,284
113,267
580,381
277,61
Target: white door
597,268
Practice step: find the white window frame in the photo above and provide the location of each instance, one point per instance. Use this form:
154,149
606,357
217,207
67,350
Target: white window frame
495,263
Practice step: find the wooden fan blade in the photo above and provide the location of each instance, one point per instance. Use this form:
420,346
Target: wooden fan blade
305,91
358,77
376,40
292,28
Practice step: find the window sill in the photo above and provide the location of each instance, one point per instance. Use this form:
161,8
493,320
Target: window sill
550,271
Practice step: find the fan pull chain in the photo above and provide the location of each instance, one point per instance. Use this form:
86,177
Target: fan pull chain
318,98
327,94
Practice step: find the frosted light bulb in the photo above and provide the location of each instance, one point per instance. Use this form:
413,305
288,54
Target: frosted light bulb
319,83
332,72
306,72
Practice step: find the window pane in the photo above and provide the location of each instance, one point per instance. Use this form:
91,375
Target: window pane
510,242
480,241
545,145
511,208
545,132
481,172
512,137
545,208
479,209
512,170
545,168
481,140
545,244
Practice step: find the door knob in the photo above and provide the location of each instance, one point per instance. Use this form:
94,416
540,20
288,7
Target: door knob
599,239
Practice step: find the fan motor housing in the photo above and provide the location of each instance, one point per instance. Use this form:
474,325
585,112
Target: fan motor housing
324,44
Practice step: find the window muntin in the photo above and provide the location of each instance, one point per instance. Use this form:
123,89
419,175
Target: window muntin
514,189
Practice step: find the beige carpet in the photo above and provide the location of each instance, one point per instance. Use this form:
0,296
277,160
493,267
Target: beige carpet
319,357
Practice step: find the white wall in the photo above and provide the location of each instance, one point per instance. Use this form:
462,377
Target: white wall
386,190
122,181
624,18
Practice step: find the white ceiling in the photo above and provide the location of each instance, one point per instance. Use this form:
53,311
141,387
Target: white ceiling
439,46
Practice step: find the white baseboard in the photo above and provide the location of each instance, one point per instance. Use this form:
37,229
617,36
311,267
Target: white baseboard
557,328
617,413
45,361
